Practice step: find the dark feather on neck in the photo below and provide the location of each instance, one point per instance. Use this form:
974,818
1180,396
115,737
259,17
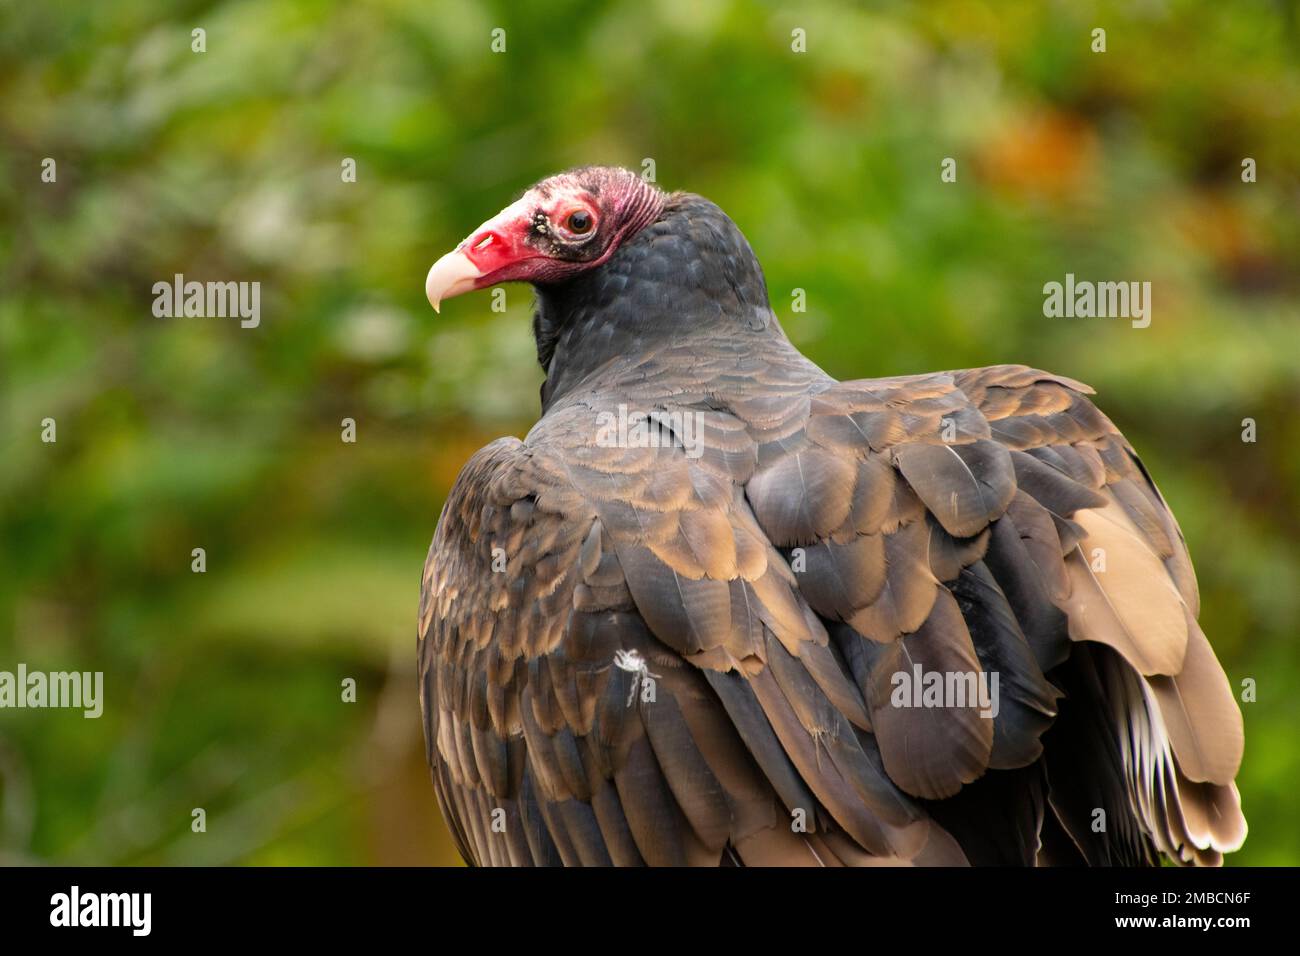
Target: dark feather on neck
689,275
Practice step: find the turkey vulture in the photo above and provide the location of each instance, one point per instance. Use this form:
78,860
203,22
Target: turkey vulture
718,608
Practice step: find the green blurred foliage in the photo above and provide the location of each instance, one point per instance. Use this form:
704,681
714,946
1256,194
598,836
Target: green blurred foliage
223,688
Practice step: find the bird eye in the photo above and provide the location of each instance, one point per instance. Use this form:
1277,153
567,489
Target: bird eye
579,222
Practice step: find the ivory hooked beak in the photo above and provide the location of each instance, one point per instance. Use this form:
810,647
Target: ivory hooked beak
451,275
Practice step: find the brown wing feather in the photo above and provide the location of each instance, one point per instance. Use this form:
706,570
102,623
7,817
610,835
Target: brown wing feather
1132,588
822,538
541,728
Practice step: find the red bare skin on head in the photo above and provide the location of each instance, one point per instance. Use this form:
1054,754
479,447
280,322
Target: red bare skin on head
560,227
514,246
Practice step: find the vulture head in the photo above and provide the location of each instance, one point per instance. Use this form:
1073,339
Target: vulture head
619,267
562,227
